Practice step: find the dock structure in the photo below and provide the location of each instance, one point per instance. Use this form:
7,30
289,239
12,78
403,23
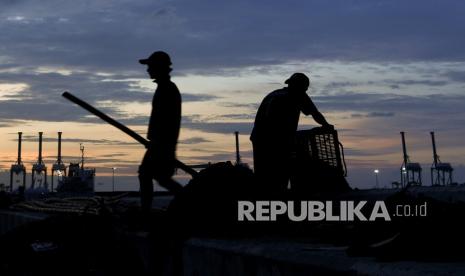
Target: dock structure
18,167
441,173
58,167
410,172
39,168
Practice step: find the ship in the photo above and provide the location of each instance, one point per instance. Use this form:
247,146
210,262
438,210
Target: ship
80,180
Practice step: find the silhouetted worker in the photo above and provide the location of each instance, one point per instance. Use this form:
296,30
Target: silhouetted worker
273,135
163,130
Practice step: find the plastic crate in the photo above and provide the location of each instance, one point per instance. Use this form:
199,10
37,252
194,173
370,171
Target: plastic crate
321,145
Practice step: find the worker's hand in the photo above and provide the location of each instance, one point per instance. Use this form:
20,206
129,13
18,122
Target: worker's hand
150,145
328,126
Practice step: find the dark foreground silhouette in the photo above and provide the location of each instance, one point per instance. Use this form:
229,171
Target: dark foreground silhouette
207,207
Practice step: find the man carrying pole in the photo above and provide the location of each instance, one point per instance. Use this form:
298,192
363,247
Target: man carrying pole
163,131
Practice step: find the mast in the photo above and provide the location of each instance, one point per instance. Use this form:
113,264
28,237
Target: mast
59,148
18,167
435,155
404,148
40,148
19,147
238,156
82,156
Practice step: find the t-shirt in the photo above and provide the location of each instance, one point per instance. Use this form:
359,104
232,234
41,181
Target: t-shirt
165,119
278,116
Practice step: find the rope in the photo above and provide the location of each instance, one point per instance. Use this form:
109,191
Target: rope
73,205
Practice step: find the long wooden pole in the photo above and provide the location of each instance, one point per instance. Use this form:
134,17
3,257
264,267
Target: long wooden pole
121,127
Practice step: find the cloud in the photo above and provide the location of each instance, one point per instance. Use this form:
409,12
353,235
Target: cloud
355,152
117,154
392,83
8,123
398,83
386,103
339,84
373,114
112,36
31,138
43,93
186,97
249,116
116,161
194,140
33,110
252,106
223,128
440,110
91,48
192,122
458,76
222,157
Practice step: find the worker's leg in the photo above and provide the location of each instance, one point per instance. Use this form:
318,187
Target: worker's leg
267,169
259,169
146,192
281,174
164,170
260,160
169,184
146,183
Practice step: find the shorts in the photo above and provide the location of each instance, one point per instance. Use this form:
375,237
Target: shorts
157,165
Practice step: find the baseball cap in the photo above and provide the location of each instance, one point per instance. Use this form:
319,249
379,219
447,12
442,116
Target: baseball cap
157,58
298,78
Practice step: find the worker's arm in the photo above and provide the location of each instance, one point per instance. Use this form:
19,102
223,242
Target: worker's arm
309,108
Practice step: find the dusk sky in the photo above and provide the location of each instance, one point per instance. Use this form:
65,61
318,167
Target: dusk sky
376,68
